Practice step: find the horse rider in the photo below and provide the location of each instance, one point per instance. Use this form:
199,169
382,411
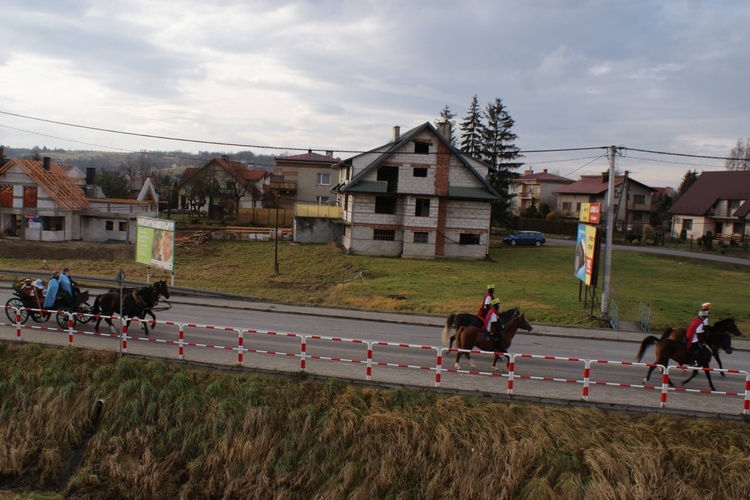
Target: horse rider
695,331
66,288
492,323
489,296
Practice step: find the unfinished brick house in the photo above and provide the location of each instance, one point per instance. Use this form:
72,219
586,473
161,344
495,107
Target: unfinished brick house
416,196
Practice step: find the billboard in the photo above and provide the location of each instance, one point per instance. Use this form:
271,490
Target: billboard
155,243
590,212
586,263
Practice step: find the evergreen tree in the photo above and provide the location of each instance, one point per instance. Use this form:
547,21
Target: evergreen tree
113,185
447,116
687,180
472,130
500,153
740,156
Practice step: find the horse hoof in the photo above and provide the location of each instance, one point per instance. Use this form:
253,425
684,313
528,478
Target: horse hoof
457,367
495,369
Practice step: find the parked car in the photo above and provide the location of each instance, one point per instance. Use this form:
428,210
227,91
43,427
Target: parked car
525,238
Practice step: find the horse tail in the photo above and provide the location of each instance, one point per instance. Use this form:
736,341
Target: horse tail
446,335
644,345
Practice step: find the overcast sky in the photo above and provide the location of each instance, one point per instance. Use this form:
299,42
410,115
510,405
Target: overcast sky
669,75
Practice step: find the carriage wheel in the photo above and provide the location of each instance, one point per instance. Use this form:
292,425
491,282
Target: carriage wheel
85,308
39,316
62,319
11,314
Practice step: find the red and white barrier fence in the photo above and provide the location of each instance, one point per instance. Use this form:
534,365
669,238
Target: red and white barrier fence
377,354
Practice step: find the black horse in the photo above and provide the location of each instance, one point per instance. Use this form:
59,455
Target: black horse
457,320
160,287
668,348
135,304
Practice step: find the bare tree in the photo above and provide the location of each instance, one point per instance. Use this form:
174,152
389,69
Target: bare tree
739,156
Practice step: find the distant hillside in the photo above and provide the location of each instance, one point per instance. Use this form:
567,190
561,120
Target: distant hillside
112,161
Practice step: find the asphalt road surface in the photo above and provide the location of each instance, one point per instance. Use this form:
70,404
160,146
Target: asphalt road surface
549,362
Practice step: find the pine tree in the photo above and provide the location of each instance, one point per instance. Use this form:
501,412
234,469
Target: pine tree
500,153
687,180
447,116
472,130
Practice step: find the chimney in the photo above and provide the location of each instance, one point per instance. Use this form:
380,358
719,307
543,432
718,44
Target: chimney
396,133
46,161
329,154
529,171
90,176
605,176
544,171
444,128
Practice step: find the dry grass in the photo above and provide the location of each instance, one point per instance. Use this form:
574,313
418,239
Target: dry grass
170,431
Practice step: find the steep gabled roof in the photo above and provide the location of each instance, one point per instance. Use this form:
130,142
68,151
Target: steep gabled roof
55,182
545,176
595,185
384,152
711,187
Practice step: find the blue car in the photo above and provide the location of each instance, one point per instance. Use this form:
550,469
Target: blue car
525,238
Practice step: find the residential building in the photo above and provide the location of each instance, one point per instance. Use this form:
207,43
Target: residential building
306,178
39,201
535,188
629,215
416,196
716,204
221,185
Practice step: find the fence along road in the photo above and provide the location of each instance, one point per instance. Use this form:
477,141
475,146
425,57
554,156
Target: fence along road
568,380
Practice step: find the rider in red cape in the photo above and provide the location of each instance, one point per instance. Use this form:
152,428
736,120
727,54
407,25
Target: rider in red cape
695,330
492,320
489,296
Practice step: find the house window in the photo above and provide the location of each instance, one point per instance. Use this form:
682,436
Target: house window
53,223
578,207
384,234
738,227
422,148
389,175
469,239
639,198
29,196
567,206
321,200
6,195
420,172
230,185
109,225
687,224
385,205
637,217
122,226
324,179
346,202
421,237
423,207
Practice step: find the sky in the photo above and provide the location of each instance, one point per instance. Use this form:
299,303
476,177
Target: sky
281,76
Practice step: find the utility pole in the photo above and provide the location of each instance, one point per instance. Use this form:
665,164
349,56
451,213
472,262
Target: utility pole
613,150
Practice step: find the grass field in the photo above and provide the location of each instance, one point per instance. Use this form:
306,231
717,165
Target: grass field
166,430
539,280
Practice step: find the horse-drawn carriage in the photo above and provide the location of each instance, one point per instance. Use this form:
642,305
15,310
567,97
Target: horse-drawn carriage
28,307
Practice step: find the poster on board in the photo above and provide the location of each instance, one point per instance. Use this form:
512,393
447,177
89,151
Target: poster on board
155,243
586,263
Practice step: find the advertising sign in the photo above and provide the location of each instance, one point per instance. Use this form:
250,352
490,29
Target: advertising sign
586,263
590,213
155,243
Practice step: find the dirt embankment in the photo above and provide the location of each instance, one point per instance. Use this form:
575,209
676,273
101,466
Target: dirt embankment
14,249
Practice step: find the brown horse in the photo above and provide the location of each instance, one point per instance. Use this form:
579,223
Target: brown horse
721,326
457,320
469,337
667,349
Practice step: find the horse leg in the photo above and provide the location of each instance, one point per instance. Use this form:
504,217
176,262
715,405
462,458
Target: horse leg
708,377
458,356
691,377
471,361
648,375
494,361
718,360
153,318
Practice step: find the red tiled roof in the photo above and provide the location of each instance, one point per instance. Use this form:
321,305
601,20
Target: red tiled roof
546,177
55,182
595,184
711,187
